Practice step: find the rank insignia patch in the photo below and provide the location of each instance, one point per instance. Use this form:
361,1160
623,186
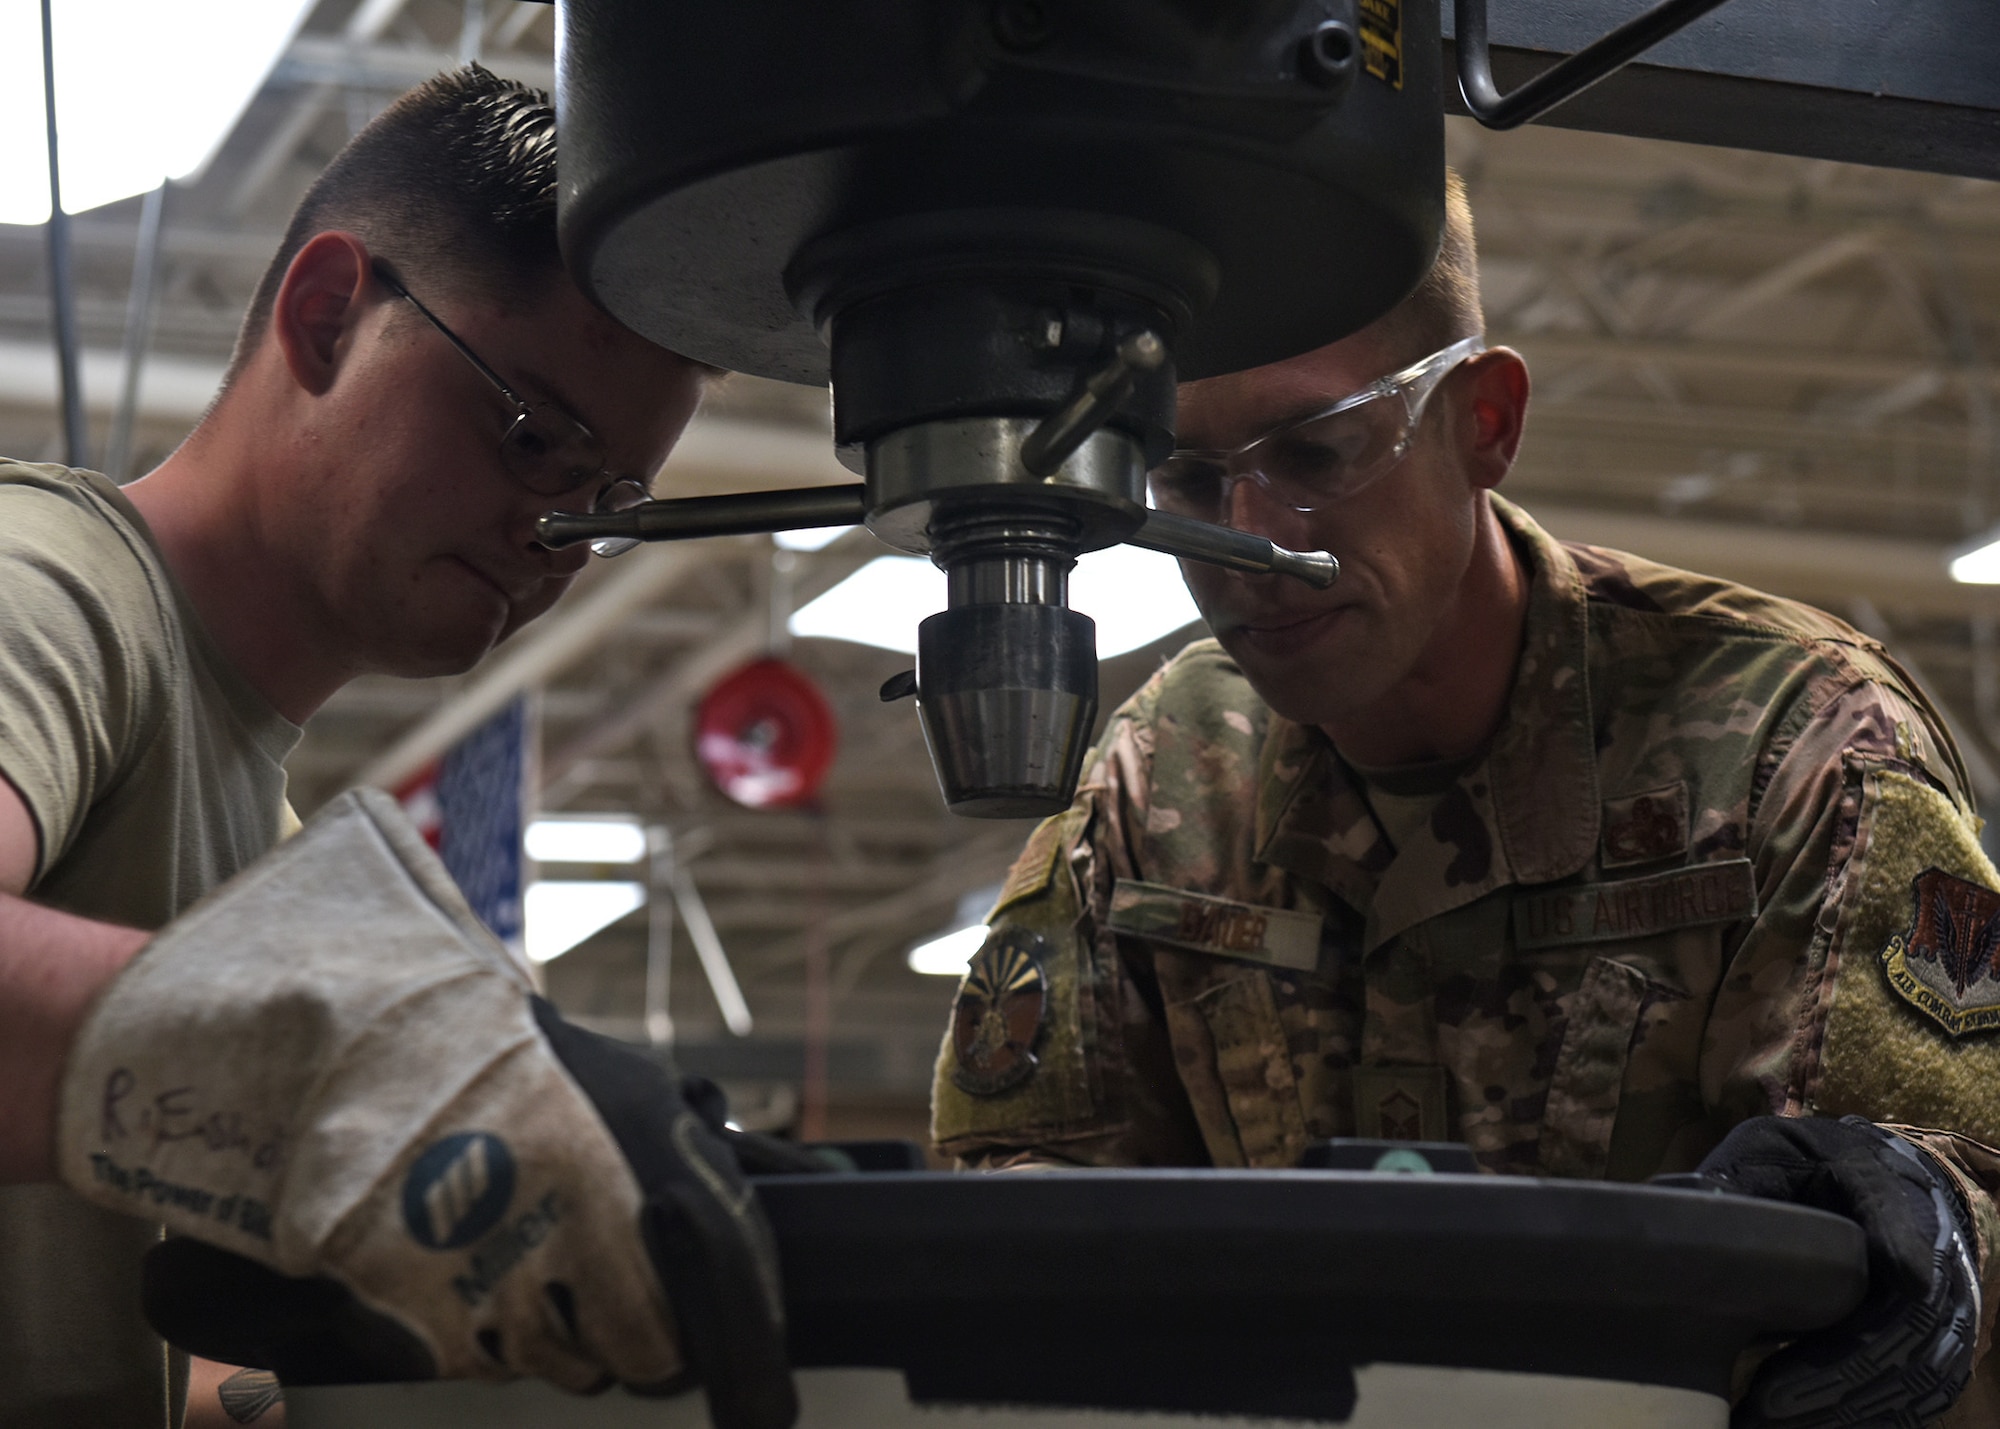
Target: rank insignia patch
1947,963
999,1015
1642,827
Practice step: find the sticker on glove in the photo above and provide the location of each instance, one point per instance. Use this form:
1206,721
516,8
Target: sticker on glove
458,1190
1947,962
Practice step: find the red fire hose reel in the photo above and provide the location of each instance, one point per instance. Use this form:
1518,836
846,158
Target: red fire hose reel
766,735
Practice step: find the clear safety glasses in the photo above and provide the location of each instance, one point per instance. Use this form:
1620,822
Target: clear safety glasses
1318,459
544,448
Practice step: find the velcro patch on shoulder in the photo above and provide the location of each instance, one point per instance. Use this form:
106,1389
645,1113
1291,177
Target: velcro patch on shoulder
1018,1063
1691,897
1945,962
1203,923
1032,871
1002,1007
1891,1051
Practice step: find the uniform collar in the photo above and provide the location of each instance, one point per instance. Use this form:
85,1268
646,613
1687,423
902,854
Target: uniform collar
1536,790
1544,759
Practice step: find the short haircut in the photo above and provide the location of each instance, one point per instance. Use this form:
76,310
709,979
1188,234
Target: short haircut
454,184
1445,306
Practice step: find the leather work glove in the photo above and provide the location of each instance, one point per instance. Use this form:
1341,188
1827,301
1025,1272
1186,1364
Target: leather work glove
1905,1353
329,1067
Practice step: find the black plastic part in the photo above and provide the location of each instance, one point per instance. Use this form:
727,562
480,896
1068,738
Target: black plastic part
1144,132
1330,55
1238,1292
899,686
1562,81
1825,81
1007,647
875,1155
1007,694
713,1253
1349,1153
1003,346
308,1331
1254,1292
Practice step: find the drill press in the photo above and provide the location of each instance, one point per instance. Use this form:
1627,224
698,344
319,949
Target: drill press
1001,232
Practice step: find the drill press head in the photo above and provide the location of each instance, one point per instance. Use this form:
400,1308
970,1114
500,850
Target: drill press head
1000,229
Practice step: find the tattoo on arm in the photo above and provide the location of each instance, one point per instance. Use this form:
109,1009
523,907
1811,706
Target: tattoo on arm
248,1394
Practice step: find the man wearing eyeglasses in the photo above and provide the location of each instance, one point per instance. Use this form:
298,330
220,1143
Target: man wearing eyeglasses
1598,868
329,1069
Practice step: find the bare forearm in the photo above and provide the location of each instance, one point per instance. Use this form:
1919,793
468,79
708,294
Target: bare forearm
221,1396
52,966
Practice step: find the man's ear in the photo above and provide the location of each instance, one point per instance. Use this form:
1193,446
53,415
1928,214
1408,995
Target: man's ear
1494,404
318,304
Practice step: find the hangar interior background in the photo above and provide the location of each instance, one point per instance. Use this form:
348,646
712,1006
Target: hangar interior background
1777,370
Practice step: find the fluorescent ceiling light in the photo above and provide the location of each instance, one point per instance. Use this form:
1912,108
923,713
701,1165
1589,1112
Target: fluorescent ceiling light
145,91
1135,596
813,538
947,956
604,839
1979,565
879,605
559,913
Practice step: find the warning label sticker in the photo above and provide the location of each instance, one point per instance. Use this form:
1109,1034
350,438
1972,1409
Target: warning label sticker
1382,40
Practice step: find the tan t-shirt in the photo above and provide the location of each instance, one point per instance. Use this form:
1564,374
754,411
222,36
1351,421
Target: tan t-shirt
153,771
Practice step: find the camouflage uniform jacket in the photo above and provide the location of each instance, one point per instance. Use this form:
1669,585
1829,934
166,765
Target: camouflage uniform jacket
1681,888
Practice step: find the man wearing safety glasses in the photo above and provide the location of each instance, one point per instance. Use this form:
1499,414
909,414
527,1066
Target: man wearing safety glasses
1598,868
328,1068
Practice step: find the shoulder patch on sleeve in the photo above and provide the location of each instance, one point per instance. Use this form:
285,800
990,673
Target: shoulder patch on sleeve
996,1024
1016,1064
1908,1036
1944,962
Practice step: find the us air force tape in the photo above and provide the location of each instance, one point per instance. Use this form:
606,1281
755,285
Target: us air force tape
1947,962
1002,1006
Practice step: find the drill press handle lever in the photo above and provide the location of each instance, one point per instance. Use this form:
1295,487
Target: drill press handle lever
1233,550
751,511
1056,440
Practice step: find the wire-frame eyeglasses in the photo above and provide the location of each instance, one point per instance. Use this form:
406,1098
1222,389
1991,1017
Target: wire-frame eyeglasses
544,448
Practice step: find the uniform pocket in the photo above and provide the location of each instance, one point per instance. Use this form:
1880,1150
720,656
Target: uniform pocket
1601,1021
1236,1064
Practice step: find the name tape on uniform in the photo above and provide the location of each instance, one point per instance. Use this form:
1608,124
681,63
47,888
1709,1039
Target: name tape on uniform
1206,924
1693,897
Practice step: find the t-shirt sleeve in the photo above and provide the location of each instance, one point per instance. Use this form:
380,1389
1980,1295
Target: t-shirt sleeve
83,649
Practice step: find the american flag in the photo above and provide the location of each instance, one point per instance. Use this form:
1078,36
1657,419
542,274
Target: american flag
471,805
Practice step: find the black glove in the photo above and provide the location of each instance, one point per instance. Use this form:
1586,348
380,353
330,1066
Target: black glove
710,1243
706,1236
1903,1356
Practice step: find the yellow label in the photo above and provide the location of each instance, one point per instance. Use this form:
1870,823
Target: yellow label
1382,40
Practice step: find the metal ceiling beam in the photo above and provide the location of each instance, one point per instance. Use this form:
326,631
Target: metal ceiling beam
333,63
173,387
574,630
1823,567
688,676
201,241
1727,359
368,22
1787,277
1714,426
979,860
